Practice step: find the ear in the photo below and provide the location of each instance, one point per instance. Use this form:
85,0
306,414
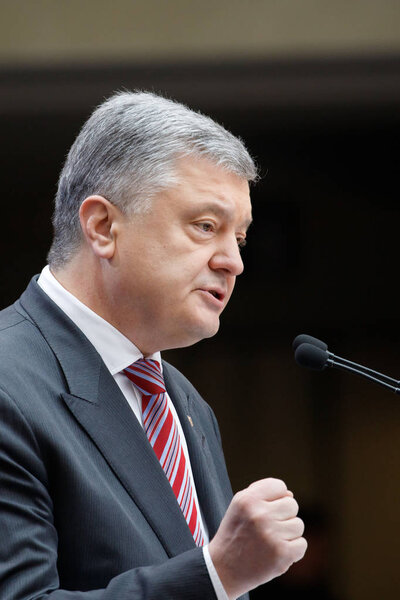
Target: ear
97,216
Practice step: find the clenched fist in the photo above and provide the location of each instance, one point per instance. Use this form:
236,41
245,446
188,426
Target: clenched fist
259,538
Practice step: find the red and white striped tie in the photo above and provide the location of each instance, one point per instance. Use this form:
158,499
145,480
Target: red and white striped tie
163,434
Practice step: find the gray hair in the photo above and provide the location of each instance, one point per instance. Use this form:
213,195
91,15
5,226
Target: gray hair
126,151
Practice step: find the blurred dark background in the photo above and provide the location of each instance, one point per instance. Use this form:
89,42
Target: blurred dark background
323,123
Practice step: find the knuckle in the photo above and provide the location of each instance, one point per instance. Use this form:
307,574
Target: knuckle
240,499
301,526
268,534
301,549
244,504
268,522
276,483
295,506
253,519
237,496
304,546
296,528
282,556
291,506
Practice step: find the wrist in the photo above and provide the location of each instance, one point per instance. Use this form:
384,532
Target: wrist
219,589
224,572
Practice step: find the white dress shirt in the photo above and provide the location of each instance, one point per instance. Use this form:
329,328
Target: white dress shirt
117,353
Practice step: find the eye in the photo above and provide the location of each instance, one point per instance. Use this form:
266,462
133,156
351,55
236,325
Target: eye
241,242
205,226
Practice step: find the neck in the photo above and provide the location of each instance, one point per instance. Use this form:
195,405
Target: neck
88,282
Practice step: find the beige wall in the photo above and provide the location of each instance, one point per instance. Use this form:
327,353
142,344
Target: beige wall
59,31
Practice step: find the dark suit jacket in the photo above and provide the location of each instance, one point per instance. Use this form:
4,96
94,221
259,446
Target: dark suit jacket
86,512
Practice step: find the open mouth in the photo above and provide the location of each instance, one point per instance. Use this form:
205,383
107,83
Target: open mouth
218,295
215,294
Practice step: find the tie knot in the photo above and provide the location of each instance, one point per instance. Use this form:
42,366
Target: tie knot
145,373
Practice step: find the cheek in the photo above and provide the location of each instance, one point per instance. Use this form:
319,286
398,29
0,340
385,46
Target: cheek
182,270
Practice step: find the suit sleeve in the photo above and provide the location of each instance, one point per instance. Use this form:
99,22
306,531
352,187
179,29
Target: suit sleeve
28,540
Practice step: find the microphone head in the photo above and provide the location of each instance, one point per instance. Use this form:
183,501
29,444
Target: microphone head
308,339
311,357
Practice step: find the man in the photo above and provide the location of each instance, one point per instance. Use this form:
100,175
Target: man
113,481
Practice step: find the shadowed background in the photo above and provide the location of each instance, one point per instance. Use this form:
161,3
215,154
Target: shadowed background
313,88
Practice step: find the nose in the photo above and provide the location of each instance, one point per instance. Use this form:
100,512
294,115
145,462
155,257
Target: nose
227,257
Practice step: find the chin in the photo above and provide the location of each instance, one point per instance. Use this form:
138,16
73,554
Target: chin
197,332
206,330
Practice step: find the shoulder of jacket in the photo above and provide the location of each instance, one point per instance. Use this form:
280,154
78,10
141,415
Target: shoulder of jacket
10,317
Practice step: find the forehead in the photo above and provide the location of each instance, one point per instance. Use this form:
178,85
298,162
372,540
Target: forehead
202,185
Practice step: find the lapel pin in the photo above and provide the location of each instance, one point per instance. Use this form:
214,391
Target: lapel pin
190,420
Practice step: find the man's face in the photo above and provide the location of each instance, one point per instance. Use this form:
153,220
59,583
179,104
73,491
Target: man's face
175,267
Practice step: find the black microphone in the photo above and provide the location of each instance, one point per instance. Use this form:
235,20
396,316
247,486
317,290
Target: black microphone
300,339
313,354
308,339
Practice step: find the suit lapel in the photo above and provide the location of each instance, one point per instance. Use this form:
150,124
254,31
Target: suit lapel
99,406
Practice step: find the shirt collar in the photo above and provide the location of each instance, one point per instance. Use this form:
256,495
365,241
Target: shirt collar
116,350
